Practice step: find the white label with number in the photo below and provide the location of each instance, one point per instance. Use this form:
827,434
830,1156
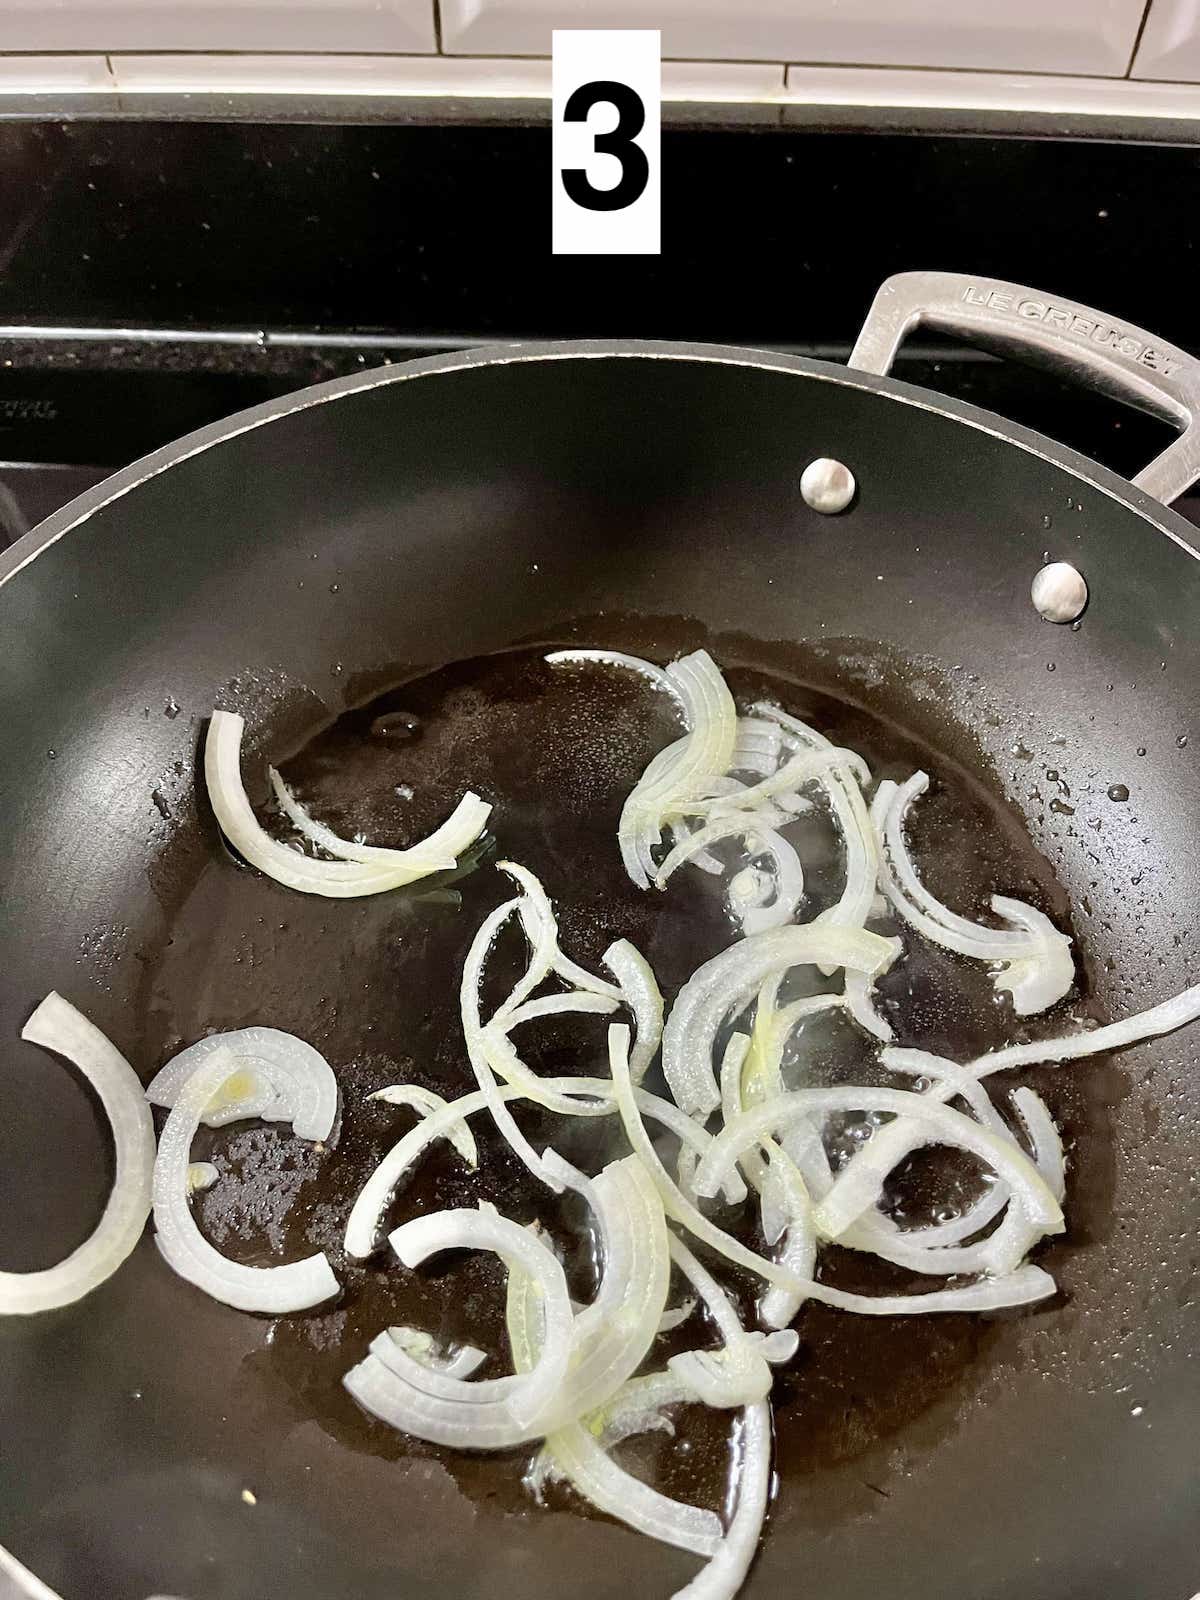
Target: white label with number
607,97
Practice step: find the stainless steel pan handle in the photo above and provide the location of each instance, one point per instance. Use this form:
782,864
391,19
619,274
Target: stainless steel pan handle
1113,357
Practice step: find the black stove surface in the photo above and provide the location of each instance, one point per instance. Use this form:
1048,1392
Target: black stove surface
157,275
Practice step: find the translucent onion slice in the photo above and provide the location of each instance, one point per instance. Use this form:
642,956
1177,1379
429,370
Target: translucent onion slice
692,845
806,766
426,1104
488,1047
608,1340
779,1307
938,1248
576,1454
567,1096
751,1467
854,823
1165,1018
740,1373
294,1287
955,1082
1035,958
57,1026
675,1202
726,1572
462,1362
785,880
268,1074
756,746
531,1396
201,1175
580,1458
676,1316
931,1249
640,992
679,774
361,869
858,1186
612,1336
728,982
859,1000
1045,1139
784,1196
618,658
478,1052
637,1407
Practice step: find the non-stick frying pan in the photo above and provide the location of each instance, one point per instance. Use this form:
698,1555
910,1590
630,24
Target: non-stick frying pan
298,557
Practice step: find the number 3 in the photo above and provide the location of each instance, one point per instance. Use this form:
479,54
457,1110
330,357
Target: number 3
635,169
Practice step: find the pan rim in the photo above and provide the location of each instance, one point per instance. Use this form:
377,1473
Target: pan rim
126,479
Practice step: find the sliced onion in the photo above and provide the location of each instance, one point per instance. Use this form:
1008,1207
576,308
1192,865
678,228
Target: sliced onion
806,766
778,1307
858,835
294,1287
361,869
201,1175
785,880
1024,1287
730,980
575,1452
563,1095
750,1474
618,658
1034,957
1045,1139
859,1185
859,1001
541,928
784,1195
268,1074
582,1460
726,1572
690,846
366,1215
637,1407
676,1316
557,1005
938,1248
640,992
57,1026
955,1082
740,1373
492,1413
462,1362
675,1202
1165,1018
612,1336
426,1103
477,1044
756,746
677,775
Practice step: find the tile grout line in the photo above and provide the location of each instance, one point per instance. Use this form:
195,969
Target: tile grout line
1137,38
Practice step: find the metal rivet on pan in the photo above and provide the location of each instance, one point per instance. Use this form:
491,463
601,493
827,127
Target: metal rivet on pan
1059,592
827,486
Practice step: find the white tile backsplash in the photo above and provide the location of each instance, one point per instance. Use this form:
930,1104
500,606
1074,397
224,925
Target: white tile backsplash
31,74
440,76
106,25
889,88
1170,43
250,73
1094,36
